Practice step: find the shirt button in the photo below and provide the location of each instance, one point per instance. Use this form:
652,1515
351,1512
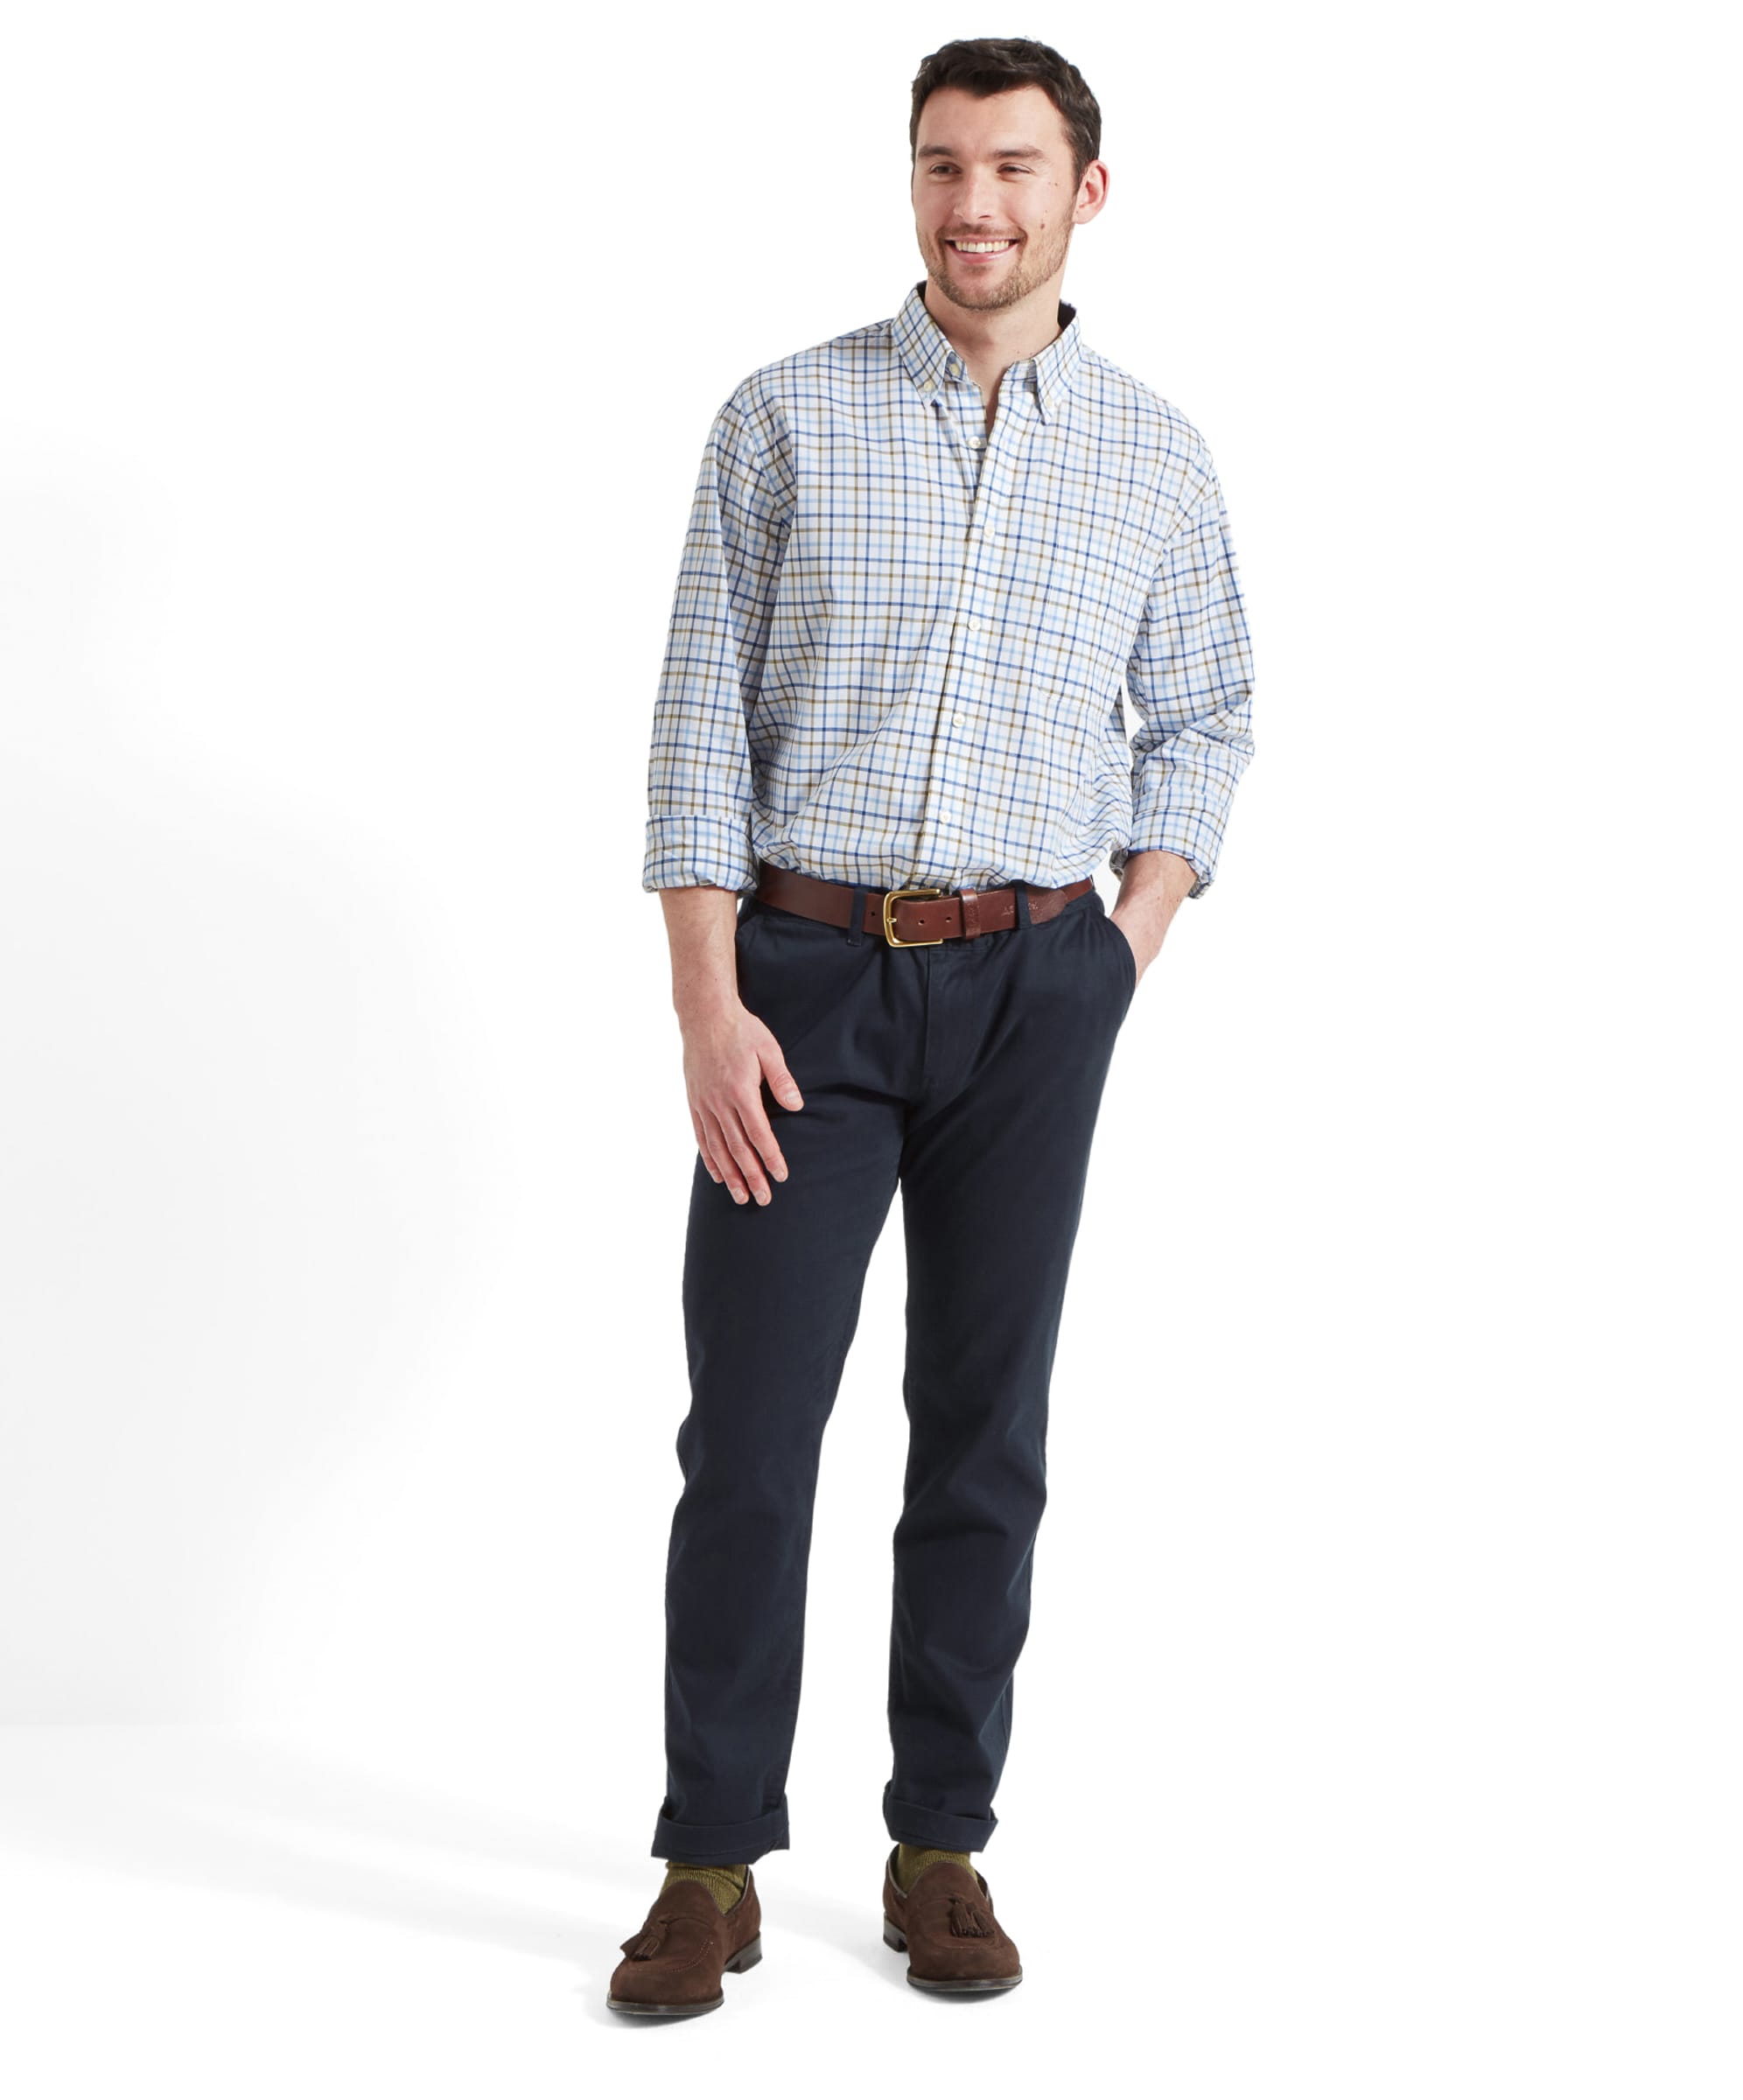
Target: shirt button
959,719
973,621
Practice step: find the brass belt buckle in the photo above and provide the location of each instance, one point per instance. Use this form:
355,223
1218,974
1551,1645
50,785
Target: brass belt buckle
889,900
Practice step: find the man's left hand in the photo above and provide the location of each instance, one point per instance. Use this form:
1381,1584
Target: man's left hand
1150,889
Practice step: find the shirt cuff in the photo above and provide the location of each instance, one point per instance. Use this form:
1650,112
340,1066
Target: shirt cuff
1202,863
685,852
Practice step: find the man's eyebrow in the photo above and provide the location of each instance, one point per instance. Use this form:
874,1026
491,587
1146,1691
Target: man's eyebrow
997,153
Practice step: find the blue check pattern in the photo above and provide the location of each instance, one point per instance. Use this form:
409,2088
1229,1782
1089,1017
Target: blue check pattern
901,646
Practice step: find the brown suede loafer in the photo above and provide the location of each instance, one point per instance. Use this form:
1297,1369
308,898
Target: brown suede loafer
945,1924
687,1942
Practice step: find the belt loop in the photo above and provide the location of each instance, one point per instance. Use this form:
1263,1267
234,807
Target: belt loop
856,918
1022,890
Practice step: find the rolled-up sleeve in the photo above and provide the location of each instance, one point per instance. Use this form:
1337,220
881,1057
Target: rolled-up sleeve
1190,680
699,777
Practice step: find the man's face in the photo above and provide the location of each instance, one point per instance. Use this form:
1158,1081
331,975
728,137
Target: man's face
995,168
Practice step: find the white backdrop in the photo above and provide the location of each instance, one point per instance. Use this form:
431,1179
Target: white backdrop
354,367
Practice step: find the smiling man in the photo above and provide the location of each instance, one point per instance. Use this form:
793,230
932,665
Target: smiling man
928,563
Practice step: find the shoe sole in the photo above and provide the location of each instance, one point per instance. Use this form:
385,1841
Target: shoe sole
893,1936
747,1957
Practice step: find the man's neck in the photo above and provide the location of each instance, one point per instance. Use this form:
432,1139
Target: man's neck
992,340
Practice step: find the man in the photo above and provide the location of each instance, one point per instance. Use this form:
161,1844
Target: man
888,749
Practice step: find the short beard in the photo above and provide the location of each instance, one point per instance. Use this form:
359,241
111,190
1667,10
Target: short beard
1017,284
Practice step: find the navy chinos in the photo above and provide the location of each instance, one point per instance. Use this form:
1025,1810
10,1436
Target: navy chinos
969,1074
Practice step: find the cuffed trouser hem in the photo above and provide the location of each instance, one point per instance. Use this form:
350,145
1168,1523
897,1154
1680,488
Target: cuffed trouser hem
909,1824
721,1843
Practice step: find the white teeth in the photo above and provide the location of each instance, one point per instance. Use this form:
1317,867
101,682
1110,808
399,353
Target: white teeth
981,248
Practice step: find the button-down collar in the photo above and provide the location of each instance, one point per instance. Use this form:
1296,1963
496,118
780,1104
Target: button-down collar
933,362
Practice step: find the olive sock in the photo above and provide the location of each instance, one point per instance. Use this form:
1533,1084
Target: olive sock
912,1859
725,1883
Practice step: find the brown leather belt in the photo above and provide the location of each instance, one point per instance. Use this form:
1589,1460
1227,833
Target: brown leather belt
917,916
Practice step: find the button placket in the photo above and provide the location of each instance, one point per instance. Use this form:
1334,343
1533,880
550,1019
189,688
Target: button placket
942,841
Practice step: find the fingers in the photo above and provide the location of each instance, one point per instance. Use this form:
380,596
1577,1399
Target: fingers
761,1140
736,1156
732,1131
781,1083
737,1144
704,1142
717,1154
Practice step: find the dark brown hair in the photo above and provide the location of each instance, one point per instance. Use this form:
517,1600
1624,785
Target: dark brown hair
993,65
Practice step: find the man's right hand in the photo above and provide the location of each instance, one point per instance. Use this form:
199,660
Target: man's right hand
727,1053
